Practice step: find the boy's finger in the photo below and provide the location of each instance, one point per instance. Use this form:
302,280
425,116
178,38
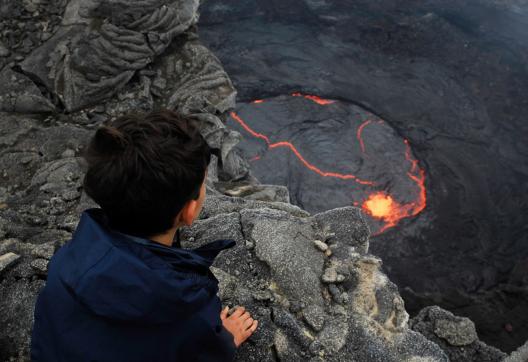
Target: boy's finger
253,327
248,323
238,312
223,313
245,316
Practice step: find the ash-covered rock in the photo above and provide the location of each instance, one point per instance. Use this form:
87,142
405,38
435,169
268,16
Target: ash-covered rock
18,298
7,260
20,94
278,271
26,25
455,335
520,355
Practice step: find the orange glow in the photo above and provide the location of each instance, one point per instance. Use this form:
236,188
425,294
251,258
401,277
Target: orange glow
315,99
383,206
358,133
248,129
258,101
378,204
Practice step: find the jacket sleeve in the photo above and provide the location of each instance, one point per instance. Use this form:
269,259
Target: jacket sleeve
216,344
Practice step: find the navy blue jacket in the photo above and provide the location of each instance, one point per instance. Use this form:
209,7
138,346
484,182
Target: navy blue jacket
115,297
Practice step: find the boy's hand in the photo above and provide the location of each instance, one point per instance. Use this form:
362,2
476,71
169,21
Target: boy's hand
239,324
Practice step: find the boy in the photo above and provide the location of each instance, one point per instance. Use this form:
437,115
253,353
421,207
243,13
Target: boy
120,290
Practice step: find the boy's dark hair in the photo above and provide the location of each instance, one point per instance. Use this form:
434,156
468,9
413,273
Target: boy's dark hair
142,169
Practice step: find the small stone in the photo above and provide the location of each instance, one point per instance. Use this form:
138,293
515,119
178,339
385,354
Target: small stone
262,296
458,331
44,251
320,245
249,244
315,348
329,276
340,278
8,245
339,310
7,260
314,316
334,292
328,252
344,298
40,266
71,195
4,52
68,153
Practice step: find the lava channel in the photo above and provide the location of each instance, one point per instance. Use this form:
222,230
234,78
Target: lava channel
377,203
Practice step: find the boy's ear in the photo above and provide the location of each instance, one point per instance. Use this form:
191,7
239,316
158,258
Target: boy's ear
188,212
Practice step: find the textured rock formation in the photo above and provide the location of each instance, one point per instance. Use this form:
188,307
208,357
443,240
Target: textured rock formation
101,44
455,335
521,354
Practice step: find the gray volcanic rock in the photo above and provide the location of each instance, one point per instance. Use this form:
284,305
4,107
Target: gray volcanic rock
255,192
189,78
520,355
455,335
7,260
20,94
101,44
275,271
351,227
18,298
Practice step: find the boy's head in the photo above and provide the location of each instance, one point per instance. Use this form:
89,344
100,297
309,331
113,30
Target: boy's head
145,170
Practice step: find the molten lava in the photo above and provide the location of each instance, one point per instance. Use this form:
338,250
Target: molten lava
378,204
315,99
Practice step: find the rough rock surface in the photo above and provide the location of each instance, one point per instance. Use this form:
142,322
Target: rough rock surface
277,272
455,335
309,280
520,355
100,45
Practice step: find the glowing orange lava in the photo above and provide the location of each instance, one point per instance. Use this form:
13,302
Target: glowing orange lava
313,98
378,204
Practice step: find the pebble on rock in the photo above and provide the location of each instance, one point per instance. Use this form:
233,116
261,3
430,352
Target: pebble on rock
321,245
457,331
329,276
7,259
314,316
40,266
4,52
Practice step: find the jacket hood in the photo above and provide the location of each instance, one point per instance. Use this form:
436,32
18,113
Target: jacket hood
127,278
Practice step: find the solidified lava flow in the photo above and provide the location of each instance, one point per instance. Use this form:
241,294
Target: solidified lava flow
377,203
